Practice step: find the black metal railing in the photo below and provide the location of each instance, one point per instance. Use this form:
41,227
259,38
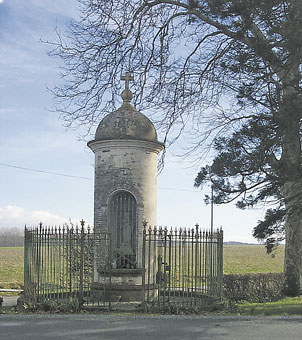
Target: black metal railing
183,268
58,262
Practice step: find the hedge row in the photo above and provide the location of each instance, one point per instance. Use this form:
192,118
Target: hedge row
253,287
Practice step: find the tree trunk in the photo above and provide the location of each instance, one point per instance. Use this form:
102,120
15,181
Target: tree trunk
292,285
290,175
292,191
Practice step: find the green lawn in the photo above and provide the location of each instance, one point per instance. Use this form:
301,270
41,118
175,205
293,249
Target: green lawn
286,306
237,260
251,259
11,267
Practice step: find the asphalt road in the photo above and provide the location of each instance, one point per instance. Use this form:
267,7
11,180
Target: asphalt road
107,327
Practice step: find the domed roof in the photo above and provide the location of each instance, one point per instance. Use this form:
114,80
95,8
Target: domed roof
126,123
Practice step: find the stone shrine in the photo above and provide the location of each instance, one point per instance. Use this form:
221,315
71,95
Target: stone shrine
126,152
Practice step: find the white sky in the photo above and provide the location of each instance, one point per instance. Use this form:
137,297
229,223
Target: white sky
32,137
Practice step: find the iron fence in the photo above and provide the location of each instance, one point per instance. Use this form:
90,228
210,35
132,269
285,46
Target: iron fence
180,267
58,262
183,268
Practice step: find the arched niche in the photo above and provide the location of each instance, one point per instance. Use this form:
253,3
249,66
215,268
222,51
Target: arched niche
122,218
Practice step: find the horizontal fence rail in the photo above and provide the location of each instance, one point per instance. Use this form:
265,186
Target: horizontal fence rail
183,268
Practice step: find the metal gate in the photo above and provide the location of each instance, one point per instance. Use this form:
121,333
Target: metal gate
183,268
123,224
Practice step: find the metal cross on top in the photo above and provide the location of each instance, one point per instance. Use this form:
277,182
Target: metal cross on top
128,77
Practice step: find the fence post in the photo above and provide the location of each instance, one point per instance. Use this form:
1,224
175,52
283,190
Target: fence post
39,233
220,259
144,264
196,261
26,260
81,263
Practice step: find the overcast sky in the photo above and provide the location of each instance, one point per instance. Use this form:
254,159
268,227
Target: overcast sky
33,137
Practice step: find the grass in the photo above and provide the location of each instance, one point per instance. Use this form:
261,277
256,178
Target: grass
251,259
237,260
254,259
11,267
286,306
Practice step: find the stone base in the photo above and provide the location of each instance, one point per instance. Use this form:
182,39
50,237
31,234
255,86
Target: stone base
120,285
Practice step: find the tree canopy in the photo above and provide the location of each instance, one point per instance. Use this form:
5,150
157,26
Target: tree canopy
228,71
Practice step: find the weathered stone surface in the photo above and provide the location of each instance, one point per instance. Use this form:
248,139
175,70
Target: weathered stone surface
126,151
126,123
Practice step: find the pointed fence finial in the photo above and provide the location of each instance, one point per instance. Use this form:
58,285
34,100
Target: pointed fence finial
196,230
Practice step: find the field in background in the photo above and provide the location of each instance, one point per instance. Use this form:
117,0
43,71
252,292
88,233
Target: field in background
11,267
237,260
245,259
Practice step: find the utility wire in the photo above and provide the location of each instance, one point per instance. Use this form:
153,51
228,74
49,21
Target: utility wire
79,177
43,171
174,189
